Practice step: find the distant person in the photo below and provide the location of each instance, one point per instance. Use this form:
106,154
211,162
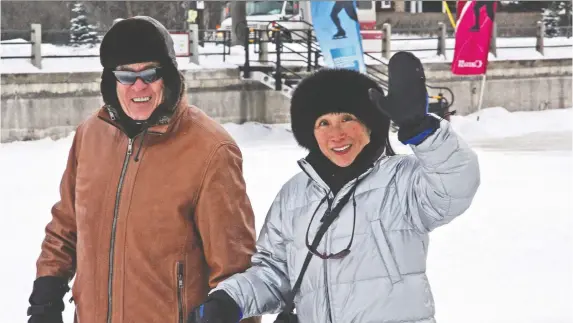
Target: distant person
348,7
192,16
346,239
490,10
153,210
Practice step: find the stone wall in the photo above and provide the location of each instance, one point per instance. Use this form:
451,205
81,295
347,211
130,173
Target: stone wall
35,106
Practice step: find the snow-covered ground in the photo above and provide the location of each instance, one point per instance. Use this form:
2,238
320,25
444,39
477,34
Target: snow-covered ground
425,49
508,259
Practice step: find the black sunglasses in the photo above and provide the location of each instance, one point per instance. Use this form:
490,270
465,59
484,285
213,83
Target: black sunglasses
148,76
337,255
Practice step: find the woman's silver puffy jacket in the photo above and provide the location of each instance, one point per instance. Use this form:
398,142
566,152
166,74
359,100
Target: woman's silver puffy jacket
398,202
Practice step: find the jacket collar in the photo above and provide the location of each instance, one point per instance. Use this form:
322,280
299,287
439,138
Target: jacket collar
334,177
162,126
310,171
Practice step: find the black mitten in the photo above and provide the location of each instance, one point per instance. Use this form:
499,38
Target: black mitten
218,308
46,301
407,100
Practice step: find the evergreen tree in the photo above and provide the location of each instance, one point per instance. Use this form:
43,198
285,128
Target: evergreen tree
80,31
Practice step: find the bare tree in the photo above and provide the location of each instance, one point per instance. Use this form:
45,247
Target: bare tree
212,14
16,16
128,8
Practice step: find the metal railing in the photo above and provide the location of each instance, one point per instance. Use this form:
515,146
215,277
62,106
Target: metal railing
444,34
308,41
89,49
260,40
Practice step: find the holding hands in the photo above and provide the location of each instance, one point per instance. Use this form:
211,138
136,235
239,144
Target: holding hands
218,308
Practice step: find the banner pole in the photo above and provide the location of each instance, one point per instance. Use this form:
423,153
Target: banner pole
482,89
452,21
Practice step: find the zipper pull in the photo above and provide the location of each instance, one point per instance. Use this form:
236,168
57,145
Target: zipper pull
130,147
180,274
180,280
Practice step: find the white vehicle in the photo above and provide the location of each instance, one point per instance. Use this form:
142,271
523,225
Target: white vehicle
296,15
366,11
261,13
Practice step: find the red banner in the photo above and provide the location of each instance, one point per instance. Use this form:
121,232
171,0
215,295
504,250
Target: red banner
473,36
459,6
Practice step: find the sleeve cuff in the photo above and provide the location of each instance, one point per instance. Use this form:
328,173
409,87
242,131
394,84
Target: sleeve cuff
415,132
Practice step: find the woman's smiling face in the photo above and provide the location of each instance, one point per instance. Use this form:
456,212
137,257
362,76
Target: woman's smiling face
341,137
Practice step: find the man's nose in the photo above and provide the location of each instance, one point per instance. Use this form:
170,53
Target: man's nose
139,85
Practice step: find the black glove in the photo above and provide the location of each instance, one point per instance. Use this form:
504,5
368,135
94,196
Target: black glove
218,308
407,100
46,301
284,317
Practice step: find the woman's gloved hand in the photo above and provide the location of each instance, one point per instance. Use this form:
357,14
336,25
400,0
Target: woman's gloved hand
218,308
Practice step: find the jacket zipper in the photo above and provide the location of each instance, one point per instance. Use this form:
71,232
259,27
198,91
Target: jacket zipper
326,282
114,227
180,290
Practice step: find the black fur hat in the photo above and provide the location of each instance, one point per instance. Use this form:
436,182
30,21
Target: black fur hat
135,40
335,90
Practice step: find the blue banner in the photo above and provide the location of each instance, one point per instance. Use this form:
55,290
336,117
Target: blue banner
338,32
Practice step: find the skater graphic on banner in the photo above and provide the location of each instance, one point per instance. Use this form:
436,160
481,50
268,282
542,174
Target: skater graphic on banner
338,33
348,7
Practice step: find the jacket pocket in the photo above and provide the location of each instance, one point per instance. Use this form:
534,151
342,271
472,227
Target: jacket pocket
386,253
180,285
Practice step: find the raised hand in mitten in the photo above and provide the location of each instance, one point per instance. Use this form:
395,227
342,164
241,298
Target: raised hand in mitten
218,308
407,101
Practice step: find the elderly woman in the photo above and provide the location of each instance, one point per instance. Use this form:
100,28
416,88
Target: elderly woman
346,239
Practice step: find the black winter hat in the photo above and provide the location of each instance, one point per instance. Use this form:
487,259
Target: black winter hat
135,40
331,91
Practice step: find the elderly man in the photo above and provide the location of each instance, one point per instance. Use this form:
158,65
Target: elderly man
153,211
